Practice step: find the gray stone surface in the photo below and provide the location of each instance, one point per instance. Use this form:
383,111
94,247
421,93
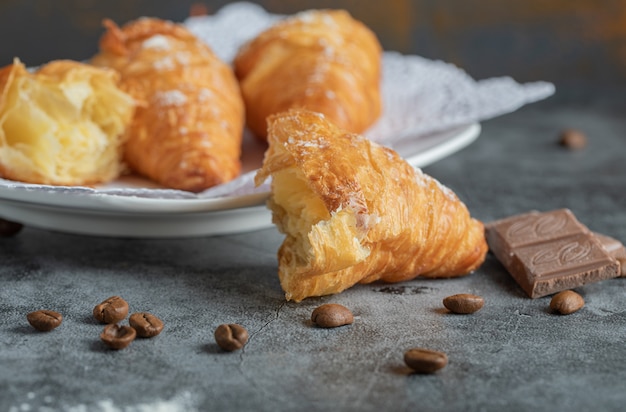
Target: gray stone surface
512,355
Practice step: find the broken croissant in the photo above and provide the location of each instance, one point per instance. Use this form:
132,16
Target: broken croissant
320,60
188,133
62,124
354,211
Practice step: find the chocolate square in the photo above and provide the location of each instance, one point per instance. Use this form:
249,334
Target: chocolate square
547,252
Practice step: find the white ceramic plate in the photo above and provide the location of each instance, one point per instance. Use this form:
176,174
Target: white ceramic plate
100,212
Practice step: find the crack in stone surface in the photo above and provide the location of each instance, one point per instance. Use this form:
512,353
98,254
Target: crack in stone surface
242,353
405,290
256,332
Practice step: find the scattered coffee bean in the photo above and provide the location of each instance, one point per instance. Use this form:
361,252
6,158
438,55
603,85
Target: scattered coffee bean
8,228
112,310
425,360
44,320
463,303
572,139
567,302
146,324
332,315
117,337
231,337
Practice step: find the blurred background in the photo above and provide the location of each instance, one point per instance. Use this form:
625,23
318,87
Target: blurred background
579,45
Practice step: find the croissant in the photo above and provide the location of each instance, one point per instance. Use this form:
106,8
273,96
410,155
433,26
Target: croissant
320,60
355,212
62,124
187,135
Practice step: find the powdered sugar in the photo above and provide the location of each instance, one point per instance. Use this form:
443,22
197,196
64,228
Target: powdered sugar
205,94
156,42
310,142
170,98
310,16
170,62
425,180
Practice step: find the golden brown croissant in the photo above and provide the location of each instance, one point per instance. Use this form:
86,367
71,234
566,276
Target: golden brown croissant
321,60
62,124
354,211
188,133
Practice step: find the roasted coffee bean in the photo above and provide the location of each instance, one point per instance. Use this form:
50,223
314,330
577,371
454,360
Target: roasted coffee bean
572,139
567,302
332,315
425,360
146,324
112,310
463,303
44,320
117,337
231,337
8,228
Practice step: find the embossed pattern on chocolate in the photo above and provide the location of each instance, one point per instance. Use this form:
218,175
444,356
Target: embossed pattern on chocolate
615,249
547,252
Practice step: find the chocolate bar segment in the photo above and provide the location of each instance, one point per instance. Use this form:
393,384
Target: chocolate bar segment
547,252
615,249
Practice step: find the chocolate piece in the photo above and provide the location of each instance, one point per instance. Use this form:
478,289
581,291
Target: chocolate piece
547,252
615,249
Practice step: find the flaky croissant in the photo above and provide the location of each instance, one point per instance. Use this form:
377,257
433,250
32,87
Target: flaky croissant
188,133
62,124
354,211
320,60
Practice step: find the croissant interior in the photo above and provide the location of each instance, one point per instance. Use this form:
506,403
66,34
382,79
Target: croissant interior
62,124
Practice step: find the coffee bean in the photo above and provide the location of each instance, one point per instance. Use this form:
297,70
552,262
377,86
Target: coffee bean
8,228
332,315
567,302
117,337
572,139
146,324
112,310
463,303
425,360
44,320
231,337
